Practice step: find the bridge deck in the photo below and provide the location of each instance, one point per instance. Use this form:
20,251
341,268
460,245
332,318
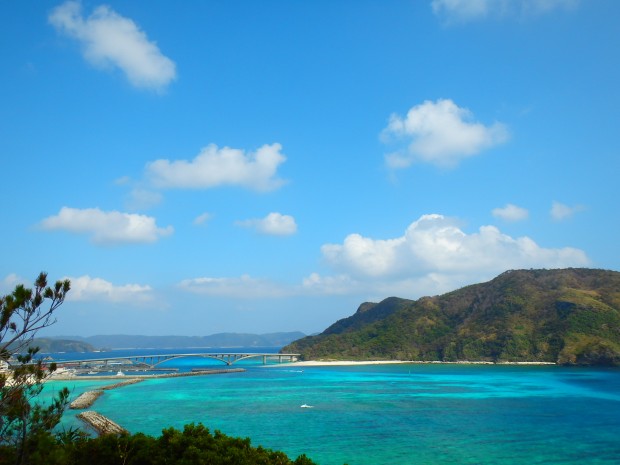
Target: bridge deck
151,361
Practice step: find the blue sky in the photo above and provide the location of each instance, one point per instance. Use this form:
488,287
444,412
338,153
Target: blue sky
247,166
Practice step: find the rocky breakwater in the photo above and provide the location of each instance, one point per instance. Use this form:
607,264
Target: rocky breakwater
88,398
101,424
96,421
85,400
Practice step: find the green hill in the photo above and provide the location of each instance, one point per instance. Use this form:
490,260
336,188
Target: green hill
49,345
569,316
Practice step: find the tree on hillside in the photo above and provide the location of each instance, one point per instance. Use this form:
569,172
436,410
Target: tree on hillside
22,313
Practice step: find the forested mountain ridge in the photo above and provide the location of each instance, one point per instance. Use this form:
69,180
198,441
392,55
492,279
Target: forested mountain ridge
48,345
569,316
121,341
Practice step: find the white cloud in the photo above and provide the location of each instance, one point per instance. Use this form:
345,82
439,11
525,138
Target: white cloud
370,257
274,224
433,256
435,244
215,167
378,289
511,213
440,133
111,40
560,211
461,11
7,285
203,218
244,287
85,288
107,227
330,285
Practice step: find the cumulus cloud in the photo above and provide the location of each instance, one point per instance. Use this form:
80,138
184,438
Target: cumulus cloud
434,255
244,287
274,224
511,212
461,11
7,285
103,227
440,133
110,40
214,167
435,244
560,211
85,288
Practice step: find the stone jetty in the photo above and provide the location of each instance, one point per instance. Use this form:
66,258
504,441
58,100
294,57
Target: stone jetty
89,397
85,400
100,424
103,425
121,384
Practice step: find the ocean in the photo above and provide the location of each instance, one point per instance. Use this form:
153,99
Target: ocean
384,414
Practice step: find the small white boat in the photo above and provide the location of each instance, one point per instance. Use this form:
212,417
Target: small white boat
307,406
120,373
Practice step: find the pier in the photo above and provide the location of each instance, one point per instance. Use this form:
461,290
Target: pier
101,424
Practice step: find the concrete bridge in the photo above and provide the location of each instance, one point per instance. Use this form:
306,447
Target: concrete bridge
152,361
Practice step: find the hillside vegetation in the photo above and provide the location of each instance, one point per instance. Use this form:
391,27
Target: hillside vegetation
51,345
569,316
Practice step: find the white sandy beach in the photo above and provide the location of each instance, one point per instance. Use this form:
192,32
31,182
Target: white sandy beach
313,363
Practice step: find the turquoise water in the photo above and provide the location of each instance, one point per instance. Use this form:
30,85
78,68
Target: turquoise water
390,414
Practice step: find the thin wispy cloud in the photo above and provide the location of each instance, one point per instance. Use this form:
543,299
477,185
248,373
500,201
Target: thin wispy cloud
274,224
214,167
142,199
462,11
511,213
203,218
560,211
440,133
107,227
330,285
110,41
243,287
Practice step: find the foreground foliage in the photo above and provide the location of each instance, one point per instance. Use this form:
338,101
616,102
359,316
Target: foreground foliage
26,427
22,313
569,316
195,445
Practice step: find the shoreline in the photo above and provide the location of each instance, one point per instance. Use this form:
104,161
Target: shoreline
73,377
312,363
300,363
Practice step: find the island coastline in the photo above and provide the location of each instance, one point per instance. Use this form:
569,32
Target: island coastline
312,363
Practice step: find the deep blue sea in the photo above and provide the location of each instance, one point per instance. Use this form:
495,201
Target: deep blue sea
385,414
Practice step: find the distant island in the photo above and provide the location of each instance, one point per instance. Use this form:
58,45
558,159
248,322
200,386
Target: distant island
54,345
569,316
226,340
